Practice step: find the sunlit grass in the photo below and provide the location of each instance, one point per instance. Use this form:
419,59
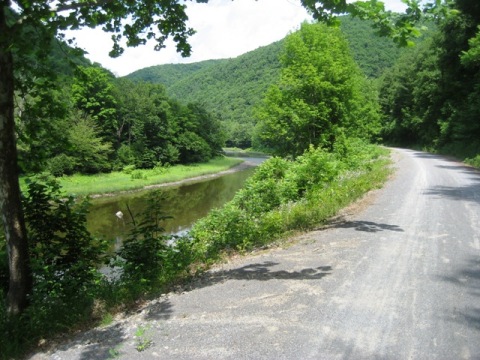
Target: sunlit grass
136,179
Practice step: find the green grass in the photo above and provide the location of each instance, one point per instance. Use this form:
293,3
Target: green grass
137,179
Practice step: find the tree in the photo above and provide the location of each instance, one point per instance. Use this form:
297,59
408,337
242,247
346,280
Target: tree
439,106
135,21
93,93
402,28
319,94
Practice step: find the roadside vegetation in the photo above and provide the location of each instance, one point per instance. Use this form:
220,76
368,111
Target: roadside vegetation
285,196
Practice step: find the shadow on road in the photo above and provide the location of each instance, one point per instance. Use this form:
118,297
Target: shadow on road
259,272
464,169
159,310
424,155
100,343
470,193
468,280
367,226
107,342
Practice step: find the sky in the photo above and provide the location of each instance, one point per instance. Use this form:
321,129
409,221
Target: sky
225,29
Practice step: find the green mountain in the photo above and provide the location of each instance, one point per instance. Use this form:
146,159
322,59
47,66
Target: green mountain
374,54
169,74
232,87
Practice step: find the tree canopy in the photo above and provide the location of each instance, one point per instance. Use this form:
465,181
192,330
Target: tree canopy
438,107
320,95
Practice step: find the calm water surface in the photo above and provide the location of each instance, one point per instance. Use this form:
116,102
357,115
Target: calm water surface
186,204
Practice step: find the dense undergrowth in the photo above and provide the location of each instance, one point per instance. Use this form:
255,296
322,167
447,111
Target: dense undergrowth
70,292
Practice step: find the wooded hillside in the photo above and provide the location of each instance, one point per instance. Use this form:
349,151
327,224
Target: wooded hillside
233,87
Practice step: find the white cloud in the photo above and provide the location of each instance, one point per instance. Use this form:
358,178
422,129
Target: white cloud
225,29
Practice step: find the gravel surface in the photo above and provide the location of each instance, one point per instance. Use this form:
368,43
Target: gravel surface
396,276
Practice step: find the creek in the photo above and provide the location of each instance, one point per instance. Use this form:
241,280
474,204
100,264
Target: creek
185,203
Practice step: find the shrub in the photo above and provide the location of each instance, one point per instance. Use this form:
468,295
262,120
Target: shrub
475,161
64,260
142,254
287,195
64,255
61,165
125,155
128,169
138,175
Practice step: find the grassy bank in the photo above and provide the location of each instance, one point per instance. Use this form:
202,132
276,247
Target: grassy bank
132,179
287,196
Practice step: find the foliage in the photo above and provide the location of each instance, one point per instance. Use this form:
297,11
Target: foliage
321,94
169,74
64,255
89,151
227,87
438,107
99,123
285,195
93,94
402,28
64,260
372,53
233,87
61,165
475,161
141,256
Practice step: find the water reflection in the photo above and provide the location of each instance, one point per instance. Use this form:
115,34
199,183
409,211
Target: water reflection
185,204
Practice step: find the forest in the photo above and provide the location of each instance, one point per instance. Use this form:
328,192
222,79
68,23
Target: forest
96,123
318,101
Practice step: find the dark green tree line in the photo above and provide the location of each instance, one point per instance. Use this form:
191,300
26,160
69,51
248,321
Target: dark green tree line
96,123
430,97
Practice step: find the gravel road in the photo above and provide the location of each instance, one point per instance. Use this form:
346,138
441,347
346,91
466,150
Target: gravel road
396,278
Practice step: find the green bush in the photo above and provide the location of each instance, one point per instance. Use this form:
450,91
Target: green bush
64,262
137,175
475,161
128,169
287,195
61,165
64,256
142,254
125,155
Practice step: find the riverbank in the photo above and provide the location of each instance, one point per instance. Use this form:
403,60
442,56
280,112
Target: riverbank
130,180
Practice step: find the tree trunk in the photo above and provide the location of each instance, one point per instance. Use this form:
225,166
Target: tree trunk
20,281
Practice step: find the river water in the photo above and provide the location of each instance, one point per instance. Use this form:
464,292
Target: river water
186,204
